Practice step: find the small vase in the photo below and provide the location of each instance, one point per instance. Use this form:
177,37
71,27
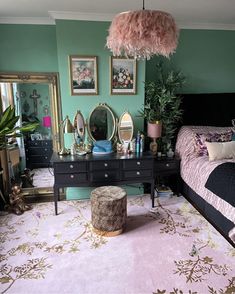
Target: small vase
153,146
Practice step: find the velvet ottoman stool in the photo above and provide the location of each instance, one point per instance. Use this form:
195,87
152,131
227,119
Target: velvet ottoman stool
108,210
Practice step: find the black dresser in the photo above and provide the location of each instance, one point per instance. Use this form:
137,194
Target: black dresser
98,170
38,153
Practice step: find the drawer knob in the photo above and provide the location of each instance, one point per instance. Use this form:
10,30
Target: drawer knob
71,166
45,149
138,162
45,157
167,165
105,164
138,173
106,175
71,176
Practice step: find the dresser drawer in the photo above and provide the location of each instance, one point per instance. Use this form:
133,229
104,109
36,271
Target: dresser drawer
39,143
103,176
38,159
146,173
70,167
38,151
103,165
162,166
137,164
70,179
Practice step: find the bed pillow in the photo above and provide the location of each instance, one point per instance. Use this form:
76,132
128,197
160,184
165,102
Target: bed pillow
201,139
220,150
233,137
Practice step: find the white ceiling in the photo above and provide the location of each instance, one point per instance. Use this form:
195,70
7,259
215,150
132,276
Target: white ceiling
205,14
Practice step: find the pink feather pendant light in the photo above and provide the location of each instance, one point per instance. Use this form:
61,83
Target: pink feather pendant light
142,34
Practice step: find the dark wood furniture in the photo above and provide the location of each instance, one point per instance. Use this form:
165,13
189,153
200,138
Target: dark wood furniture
38,153
98,170
165,167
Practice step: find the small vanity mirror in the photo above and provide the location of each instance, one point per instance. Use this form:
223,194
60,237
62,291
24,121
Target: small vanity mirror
101,123
79,125
125,127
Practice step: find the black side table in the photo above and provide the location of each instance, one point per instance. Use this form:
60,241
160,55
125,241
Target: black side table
170,168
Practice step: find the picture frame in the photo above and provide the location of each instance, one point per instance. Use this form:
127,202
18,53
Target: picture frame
123,73
83,75
36,136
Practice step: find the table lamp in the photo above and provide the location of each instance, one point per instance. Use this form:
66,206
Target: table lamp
154,132
67,127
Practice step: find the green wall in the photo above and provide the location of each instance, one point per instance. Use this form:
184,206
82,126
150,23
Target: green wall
206,58
89,38
28,48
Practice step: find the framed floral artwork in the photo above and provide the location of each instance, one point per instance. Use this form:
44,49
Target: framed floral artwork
83,75
123,75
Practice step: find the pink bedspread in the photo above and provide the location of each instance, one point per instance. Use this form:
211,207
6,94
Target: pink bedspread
196,170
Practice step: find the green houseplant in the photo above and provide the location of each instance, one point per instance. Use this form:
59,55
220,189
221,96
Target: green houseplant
163,104
8,129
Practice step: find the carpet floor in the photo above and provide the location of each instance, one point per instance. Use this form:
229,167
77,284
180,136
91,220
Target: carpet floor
169,249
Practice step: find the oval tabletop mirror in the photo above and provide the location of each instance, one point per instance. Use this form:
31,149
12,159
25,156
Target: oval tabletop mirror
125,127
101,123
79,125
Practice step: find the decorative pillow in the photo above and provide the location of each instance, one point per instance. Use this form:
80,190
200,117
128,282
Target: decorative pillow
233,137
200,140
222,150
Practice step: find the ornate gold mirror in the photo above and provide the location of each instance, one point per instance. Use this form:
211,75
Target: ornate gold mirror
101,123
79,125
35,97
125,127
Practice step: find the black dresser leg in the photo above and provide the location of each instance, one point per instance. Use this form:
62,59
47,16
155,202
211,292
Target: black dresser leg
152,192
56,196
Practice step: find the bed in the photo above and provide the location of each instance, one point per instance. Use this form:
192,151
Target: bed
197,170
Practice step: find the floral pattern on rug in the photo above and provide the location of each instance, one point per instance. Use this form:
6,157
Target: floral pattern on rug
168,249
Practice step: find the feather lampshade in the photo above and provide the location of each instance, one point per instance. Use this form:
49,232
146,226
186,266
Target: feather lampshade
142,34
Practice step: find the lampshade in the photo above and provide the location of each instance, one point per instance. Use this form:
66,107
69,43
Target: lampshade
155,129
142,34
46,121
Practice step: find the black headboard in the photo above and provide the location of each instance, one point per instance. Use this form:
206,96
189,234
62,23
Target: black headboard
216,109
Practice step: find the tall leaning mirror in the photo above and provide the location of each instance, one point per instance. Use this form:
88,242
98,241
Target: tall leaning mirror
35,97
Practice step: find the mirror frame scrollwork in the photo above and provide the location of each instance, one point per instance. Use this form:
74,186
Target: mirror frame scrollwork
52,79
105,106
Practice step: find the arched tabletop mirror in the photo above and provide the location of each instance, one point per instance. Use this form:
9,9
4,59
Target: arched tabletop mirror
35,96
125,127
79,125
101,123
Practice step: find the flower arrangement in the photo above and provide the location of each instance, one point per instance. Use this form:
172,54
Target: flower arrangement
122,79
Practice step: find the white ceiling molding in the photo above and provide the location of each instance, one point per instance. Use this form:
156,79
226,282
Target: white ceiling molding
68,15
206,26
27,20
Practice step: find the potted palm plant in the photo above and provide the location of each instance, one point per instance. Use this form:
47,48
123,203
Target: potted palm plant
162,105
8,129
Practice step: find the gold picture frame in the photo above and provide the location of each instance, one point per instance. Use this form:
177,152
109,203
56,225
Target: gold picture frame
123,75
83,75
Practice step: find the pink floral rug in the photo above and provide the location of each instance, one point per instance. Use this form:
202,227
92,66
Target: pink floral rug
170,249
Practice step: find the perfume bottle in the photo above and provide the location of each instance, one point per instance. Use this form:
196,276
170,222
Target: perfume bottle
141,143
138,142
